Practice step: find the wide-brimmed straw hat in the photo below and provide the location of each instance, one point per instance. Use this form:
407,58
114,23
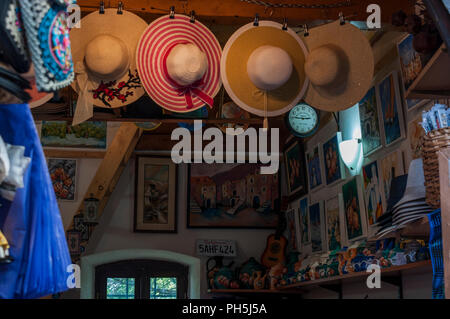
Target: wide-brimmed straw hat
262,68
178,61
104,50
340,66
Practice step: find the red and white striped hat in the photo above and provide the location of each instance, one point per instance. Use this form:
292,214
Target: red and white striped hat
154,50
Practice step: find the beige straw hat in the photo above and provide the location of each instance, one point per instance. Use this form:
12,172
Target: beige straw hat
262,68
104,51
340,66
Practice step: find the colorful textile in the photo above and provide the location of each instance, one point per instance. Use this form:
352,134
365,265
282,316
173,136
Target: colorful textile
437,259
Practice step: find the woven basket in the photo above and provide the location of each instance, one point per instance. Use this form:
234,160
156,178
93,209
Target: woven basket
433,142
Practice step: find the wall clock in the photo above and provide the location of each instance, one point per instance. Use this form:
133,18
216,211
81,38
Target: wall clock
302,120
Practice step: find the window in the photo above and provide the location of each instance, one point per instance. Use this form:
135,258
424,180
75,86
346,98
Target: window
141,279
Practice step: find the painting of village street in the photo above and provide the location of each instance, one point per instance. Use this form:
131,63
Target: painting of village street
233,196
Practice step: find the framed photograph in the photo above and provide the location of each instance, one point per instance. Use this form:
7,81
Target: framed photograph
73,242
84,135
63,173
334,168
224,195
155,195
370,123
391,166
295,169
391,109
411,64
373,193
316,220
291,230
334,226
305,230
314,164
354,218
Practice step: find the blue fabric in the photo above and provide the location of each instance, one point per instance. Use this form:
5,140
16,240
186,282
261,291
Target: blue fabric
437,260
32,222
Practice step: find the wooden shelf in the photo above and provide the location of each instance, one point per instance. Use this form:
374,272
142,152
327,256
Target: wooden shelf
433,81
251,291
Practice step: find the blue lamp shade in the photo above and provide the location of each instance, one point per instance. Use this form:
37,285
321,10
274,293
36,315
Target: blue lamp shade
350,151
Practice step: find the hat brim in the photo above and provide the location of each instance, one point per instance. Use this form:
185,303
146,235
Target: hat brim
236,81
128,27
157,39
37,98
361,64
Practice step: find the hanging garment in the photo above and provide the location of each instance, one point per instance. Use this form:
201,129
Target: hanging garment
30,219
437,259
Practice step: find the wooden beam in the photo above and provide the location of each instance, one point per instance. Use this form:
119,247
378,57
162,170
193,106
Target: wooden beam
239,12
60,153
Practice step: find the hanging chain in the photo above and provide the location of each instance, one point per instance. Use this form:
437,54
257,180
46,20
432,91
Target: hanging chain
266,4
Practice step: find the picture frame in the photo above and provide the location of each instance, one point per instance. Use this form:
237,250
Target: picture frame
155,195
416,133
291,230
73,242
314,163
334,223
410,61
370,123
225,195
334,167
295,168
87,135
64,177
374,200
304,234
391,166
317,226
390,109
355,222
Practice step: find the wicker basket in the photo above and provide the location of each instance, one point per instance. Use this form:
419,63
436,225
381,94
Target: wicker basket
433,142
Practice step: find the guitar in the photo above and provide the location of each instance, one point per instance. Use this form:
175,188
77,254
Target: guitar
275,251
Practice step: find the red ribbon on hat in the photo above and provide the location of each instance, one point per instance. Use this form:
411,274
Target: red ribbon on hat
189,90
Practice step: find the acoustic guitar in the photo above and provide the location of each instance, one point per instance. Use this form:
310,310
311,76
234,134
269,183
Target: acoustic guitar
275,251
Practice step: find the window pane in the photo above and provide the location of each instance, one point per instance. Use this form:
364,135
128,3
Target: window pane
120,288
163,288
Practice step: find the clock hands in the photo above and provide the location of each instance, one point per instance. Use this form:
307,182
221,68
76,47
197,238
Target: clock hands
302,118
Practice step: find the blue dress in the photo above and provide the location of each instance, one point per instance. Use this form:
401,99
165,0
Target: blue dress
32,221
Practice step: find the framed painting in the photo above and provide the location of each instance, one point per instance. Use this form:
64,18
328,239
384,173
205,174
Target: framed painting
354,220
391,109
370,124
84,135
155,195
303,212
373,196
335,233
411,64
391,166
222,195
63,174
294,161
73,242
314,164
291,229
416,134
316,221
334,168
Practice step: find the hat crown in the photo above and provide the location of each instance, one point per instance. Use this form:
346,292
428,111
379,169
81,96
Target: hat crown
269,67
186,64
107,57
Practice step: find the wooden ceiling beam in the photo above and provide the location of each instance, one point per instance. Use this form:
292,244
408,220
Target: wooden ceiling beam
238,12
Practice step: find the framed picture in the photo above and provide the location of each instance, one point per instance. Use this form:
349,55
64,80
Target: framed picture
391,166
155,195
416,134
316,221
73,242
295,169
305,230
391,109
84,135
373,193
232,196
291,230
63,173
335,232
370,123
334,168
314,164
354,218
411,64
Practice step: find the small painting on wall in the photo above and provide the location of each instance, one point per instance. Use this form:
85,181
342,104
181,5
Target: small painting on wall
316,224
84,135
410,61
333,167
416,134
352,208
304,221
372,193
370,125
155,195
333,223
63,174
232,196
291,228
295,169
314,163
391,166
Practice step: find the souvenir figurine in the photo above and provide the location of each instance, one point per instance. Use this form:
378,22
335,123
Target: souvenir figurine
219,276
275,275
246,272
259,281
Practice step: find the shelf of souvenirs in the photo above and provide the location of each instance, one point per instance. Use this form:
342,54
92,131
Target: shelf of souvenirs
433,81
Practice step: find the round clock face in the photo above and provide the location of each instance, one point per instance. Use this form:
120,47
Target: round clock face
303,120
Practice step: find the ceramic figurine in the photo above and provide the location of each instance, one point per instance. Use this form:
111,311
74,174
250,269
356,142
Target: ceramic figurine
219,276
246,272
259,281
275,275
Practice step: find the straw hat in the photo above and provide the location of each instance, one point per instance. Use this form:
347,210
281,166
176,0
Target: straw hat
103,51
340,66
262,68
178,61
